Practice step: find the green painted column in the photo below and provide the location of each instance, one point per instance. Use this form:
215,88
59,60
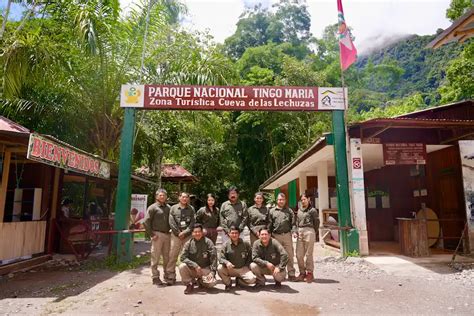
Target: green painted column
124,187
349,239
292,194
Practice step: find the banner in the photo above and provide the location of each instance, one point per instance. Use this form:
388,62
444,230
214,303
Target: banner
138,210
66,157
466,150
182,97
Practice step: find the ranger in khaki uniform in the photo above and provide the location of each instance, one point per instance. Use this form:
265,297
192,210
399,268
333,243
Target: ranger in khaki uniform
307,221
233,213
235,259
269,258
181,222
199,261
258,217
282,225
158,228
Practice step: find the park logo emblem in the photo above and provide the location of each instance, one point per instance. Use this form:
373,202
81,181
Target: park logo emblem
132,96
332,98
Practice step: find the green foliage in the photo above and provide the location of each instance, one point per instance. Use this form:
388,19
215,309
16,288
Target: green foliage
459,77
458,8
288,23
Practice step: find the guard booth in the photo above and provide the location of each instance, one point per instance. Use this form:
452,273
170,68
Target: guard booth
412,181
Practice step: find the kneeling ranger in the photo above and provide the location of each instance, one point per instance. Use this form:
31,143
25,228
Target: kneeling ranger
199,261
235,259
269,258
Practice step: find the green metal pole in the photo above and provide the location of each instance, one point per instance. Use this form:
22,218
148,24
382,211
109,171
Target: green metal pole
349,239
124,187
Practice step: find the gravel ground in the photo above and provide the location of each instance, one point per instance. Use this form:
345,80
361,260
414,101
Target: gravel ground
351,286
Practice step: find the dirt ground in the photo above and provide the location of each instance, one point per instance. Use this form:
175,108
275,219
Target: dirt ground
351,286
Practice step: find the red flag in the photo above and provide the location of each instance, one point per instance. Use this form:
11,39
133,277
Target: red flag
348,52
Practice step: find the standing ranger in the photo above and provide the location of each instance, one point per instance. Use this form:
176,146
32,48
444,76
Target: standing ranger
233,213
307,221
198,261
235,259
282,226
269,258
208,217
158,228
258,217
181,222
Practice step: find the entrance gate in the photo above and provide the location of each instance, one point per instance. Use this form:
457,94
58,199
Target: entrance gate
232,98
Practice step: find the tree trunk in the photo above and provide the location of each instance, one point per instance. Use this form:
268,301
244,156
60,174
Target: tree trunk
5,18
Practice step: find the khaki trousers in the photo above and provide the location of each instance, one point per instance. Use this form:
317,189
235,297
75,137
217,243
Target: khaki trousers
261,272
287,242
175,249
246,276
188,274
304,247
160,248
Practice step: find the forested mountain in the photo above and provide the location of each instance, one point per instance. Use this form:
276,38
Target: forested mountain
421,69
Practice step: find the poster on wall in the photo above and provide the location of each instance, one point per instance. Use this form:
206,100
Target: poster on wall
466,150
404,154
137,210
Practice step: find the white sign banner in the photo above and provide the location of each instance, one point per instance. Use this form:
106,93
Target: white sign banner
138,209
466,150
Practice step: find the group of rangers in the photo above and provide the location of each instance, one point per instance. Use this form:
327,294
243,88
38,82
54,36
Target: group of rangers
179,231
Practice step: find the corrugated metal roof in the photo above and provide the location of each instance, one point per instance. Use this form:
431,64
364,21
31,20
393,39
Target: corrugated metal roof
7,125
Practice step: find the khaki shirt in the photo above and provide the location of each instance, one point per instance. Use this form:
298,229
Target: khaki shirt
273,253
307,218
181,219
258,218
233,215
199,253
282,220
239,255
157,218
207,219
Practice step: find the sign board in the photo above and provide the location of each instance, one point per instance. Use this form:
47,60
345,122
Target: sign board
138,209
404,154
227,98
66,157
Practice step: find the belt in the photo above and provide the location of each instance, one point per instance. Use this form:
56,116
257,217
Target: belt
162,232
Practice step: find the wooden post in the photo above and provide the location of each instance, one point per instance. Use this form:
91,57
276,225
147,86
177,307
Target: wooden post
54,210
4,186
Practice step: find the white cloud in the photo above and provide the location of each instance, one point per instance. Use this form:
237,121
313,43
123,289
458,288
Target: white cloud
369,18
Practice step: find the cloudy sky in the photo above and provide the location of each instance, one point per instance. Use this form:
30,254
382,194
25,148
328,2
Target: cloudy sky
372,20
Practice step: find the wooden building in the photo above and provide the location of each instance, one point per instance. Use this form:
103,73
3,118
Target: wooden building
418,165
37,171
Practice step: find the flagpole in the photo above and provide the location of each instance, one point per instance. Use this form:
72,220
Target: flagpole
348,236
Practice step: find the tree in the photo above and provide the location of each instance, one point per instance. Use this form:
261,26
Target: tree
459,84
289,22
458,8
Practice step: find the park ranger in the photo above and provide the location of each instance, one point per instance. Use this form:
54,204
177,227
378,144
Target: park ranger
158,228
269,258
198,261
235,259
258,216
181,222
233,213
307,221
282,226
